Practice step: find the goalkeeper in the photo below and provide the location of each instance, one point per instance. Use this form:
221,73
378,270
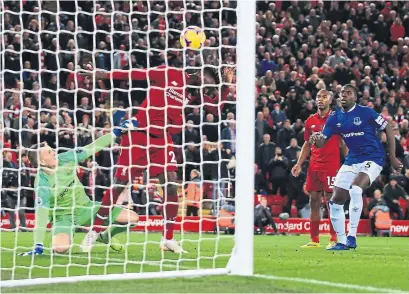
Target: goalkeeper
61,198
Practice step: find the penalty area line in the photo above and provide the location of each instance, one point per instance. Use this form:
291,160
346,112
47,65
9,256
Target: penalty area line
331,284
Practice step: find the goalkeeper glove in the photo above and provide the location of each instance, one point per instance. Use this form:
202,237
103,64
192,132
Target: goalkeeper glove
127,125
38,250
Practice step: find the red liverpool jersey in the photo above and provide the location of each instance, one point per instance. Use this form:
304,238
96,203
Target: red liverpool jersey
161,111
326,158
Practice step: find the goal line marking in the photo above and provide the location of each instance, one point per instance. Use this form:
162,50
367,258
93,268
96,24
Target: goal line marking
331,284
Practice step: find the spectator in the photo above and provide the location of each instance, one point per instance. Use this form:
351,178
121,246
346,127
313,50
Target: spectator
210,129
336,59
194,193
292,150
192,159
278,116
285,135
27,133
260,184
279,172
397,30
14,198
228,136
263,218
191,135
261,128
391,193
265,152
67,134
267,65
378,213
95,181
84,131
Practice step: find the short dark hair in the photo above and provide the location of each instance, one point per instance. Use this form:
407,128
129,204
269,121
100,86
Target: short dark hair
33,153
353,88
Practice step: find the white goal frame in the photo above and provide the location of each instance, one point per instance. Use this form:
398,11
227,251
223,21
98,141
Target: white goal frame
241,260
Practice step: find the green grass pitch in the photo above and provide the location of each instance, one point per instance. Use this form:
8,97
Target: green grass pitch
378,262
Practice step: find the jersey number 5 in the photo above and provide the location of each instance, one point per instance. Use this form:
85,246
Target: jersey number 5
331,181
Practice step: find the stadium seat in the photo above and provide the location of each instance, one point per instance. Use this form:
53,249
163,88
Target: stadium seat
274,200
276,210
294,211
284,200
404,205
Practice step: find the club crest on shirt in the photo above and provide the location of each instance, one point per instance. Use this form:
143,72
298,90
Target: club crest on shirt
39,201
357,121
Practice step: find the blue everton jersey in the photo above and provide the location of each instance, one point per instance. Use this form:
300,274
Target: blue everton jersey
358,127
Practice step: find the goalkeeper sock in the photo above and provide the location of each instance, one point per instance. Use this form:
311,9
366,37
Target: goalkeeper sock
103,212
338,221
355,209
171,211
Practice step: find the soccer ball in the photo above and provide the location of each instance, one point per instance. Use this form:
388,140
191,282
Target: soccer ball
192,37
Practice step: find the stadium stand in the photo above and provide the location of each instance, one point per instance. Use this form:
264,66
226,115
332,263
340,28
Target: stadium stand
301,47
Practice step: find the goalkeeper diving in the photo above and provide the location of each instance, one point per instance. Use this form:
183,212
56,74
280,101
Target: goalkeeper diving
61,198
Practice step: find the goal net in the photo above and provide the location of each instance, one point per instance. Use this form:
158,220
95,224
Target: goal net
51,52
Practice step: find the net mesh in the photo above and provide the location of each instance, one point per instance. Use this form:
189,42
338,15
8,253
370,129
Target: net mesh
45,97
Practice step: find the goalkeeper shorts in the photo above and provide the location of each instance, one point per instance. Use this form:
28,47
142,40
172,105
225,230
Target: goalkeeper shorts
68,223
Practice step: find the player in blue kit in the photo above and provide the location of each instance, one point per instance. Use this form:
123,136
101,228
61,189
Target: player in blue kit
358,125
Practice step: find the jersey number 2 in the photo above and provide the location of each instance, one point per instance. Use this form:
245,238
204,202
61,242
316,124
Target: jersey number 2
331,181
173,157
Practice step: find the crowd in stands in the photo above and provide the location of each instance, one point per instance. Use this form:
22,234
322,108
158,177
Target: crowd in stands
301,47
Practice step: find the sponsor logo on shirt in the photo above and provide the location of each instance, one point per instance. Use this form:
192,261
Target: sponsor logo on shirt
338,125
66,189
353,134
172,94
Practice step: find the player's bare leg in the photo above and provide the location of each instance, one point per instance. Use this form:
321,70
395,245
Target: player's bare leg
170,211
333,235
315,218
108,200
61,243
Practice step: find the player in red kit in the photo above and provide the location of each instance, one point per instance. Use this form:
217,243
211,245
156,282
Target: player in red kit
324,165
151,147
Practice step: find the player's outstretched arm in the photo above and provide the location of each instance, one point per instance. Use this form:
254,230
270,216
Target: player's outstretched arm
151,74
42,207
82,153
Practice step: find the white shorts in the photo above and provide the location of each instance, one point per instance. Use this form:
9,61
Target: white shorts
348,173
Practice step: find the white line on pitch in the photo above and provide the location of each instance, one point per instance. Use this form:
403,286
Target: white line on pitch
152,263
331,284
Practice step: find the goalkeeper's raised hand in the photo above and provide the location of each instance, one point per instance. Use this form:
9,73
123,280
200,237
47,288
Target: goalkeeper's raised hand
127,125
38,250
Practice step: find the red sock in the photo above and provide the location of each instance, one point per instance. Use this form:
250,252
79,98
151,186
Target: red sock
315,231
333,237
103,212
170,213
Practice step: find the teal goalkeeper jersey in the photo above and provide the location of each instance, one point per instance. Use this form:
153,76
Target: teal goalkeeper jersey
62,193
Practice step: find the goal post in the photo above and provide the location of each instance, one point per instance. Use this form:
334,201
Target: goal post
104,266
241,262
